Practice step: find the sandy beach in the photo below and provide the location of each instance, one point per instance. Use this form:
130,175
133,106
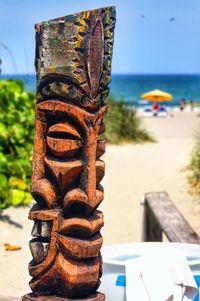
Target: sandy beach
131,171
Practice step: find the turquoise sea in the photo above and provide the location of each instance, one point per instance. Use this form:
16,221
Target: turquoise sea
130,87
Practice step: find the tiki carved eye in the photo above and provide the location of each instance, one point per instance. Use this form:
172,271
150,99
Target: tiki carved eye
64,140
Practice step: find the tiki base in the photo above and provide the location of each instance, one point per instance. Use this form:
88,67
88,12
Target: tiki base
31,297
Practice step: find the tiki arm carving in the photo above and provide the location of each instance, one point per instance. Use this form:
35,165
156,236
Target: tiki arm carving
73,64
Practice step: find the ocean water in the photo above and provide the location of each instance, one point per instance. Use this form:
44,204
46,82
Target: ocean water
130,87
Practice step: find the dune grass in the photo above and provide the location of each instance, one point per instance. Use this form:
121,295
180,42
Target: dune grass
123,124
194,167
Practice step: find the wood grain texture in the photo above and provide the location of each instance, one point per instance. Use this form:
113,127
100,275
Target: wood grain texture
161,215
73,64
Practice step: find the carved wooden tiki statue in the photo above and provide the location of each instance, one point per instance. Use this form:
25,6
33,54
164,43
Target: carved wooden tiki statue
73,64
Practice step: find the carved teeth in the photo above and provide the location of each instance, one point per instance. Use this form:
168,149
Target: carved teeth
41,229
39,250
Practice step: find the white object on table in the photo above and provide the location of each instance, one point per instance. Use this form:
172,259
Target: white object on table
163,276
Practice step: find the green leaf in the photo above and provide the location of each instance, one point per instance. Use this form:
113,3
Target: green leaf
3,132
17,183
4,203
17,132
28,198
12,85
3,182
3,162
16,197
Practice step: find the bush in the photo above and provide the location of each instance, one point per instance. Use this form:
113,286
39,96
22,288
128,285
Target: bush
16,142
194,167
123,124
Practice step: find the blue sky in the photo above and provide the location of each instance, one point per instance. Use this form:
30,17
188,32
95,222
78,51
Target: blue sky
147,40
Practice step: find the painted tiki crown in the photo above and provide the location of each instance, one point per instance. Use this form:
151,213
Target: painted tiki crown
73,57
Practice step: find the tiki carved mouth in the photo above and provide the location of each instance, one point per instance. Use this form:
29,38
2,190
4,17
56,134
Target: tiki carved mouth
82,228
80,248
78,237
39,245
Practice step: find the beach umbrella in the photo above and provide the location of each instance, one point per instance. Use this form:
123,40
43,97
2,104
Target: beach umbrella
157,95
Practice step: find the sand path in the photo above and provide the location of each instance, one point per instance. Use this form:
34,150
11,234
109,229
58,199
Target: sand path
131,170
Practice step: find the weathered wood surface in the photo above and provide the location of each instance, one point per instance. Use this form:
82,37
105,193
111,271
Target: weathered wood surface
151,230
161,215
73,64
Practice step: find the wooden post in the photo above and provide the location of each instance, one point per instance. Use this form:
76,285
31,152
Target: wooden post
73,64
151,230
161,215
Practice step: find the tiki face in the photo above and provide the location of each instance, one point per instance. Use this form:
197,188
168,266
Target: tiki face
67,169
72,175
71,169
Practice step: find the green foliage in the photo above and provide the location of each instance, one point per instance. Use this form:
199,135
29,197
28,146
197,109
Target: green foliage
123,124
16,142
194,167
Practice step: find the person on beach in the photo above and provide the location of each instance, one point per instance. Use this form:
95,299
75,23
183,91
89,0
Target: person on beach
192,105
182,104
155,108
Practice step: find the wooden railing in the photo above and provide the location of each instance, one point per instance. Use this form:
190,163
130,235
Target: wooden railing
160,216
